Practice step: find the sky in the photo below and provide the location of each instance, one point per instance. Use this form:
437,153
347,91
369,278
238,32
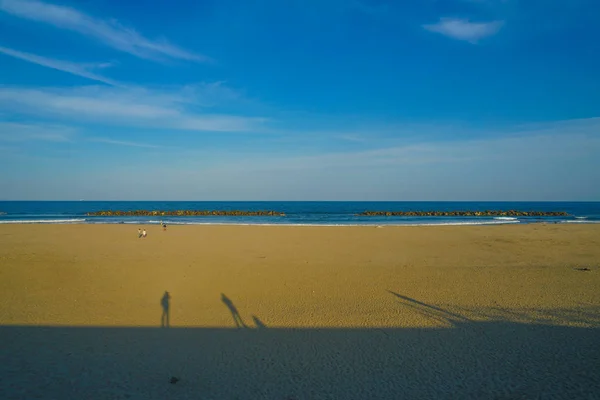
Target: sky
300,100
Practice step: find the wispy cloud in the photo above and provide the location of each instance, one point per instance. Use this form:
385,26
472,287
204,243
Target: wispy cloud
549,142
20,132
352,137
523,164
462,29
530,166
108,32
123,106
83,70
124,143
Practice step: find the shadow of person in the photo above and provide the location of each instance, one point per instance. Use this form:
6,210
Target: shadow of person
431,311
237,319
259,324
165,303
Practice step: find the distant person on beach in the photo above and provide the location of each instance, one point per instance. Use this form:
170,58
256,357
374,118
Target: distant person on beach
139,233
144,233
164,226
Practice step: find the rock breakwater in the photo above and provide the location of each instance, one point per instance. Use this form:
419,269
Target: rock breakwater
487,213
183,213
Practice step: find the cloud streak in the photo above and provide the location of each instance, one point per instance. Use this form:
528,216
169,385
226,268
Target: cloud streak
524,164
83,70
123,106
551,161
548,141
111,33
20,132
462,29
124,143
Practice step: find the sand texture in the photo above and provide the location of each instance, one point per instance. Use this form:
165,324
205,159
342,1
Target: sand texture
477,312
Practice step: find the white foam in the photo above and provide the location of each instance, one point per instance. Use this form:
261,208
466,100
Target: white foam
579,222
581,217
333,225
43,221
505,218
503,222
376,225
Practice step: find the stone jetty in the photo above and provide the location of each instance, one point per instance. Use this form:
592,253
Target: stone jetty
183,213
487,213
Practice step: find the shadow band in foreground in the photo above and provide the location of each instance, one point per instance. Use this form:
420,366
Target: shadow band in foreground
472,360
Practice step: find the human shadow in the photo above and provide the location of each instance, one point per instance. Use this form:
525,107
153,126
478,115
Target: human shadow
430,311
259,324
165,303
237,318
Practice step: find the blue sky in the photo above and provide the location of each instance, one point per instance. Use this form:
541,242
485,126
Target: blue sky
300,100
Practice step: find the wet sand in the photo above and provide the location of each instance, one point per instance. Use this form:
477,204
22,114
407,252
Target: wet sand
299,312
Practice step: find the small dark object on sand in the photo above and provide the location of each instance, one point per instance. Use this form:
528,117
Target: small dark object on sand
174,380
582,269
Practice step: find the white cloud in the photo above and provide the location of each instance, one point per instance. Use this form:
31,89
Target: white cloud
19,132
110,33
462,29
83,70
122,106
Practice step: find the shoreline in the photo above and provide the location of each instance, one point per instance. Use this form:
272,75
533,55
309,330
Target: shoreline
415,224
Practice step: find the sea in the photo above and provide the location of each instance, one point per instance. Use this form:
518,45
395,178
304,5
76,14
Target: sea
322,213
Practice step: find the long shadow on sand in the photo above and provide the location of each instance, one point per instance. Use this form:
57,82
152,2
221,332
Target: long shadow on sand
475,360
237,318
430,311
165,303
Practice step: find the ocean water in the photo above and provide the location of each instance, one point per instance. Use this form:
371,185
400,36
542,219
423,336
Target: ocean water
297,213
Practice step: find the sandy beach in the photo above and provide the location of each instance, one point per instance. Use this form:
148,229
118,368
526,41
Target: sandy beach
481,312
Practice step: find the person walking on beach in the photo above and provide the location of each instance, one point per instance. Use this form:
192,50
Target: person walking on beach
144,233
139,233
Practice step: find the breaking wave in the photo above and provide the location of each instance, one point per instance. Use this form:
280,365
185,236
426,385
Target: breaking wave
43,221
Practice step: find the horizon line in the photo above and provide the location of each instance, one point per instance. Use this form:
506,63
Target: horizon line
319,201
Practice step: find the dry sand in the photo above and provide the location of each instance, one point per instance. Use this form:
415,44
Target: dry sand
498,312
